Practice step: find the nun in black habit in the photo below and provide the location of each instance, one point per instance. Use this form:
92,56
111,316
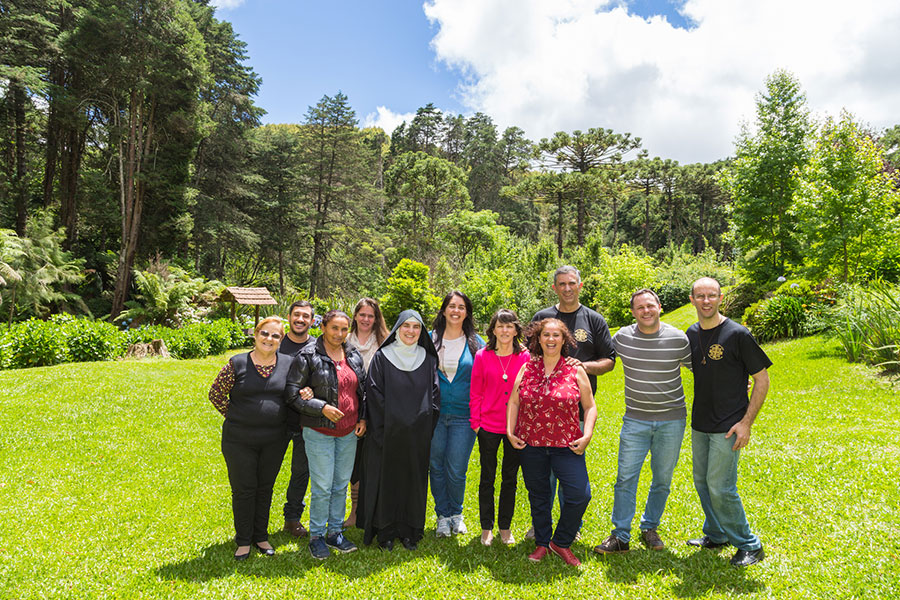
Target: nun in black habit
403,398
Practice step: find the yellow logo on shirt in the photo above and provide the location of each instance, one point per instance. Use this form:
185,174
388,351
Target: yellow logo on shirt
716,352
580,335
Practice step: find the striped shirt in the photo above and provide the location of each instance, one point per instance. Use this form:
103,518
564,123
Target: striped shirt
652,365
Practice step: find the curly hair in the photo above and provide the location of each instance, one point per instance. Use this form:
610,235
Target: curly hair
533,334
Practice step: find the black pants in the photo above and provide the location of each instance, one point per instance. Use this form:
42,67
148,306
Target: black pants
488,445
252,469
299,482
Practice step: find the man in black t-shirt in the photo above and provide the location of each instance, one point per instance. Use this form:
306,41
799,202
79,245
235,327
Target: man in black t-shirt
723,355
300,317
594,344
594,347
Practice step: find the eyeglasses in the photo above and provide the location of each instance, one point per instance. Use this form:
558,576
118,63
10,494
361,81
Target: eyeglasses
275,336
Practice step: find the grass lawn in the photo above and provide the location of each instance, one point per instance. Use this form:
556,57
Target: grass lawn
112,485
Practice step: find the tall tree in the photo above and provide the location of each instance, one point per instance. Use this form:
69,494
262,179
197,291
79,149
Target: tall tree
583,152
149,56
761,182
847,204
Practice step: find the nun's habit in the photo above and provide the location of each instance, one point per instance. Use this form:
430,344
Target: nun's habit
403,399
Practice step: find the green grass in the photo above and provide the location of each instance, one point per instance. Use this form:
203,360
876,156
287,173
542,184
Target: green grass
112,485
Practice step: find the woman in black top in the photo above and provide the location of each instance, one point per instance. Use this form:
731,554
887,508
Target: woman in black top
249,392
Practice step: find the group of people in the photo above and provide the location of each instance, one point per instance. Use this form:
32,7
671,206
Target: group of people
390,414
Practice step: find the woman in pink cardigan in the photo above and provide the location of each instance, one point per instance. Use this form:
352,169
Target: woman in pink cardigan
493,374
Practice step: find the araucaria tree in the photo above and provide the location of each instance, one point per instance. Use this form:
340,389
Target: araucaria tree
761,182
847,203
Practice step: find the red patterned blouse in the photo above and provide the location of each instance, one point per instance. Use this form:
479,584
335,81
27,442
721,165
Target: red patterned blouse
548,405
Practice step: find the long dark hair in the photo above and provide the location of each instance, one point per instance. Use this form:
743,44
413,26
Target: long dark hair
504,315
468,325
379,327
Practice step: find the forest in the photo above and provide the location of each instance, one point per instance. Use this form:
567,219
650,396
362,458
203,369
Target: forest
137,179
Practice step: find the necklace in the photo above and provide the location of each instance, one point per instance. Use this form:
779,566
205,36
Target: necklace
502,366
705,351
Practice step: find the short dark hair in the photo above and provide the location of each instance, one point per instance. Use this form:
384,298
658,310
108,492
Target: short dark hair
504,315
533,333
643,291
301,304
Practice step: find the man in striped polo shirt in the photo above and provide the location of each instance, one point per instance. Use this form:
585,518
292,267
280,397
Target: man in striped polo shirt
652,355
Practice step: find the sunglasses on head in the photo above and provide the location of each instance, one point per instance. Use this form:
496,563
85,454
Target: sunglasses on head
266,334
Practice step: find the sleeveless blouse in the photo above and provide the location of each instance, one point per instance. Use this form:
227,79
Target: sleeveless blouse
548,405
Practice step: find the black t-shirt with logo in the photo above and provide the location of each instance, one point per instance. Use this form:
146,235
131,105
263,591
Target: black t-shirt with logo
590,331
722,358
292,348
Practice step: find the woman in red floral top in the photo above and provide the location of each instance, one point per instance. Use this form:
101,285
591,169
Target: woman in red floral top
542,422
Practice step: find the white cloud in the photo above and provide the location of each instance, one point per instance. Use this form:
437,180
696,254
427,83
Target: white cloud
387,119
226,4
573,64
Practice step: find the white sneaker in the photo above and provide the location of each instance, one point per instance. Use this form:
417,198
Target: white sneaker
443,527
457,526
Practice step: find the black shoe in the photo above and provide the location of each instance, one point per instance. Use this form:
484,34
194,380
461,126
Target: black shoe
409,544
386,545
705,542
265,551
745,558
242,556
612,545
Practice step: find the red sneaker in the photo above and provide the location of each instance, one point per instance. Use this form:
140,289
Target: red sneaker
539,553
565,554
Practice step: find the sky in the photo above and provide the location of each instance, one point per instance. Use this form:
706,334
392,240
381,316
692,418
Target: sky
682,75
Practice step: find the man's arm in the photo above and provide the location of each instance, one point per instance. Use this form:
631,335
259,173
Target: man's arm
599,366
741,429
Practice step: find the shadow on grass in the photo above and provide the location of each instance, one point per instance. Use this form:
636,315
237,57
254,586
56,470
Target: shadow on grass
697,574
506,564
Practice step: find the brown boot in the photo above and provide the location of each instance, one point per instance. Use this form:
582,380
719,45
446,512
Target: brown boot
295,528
350,521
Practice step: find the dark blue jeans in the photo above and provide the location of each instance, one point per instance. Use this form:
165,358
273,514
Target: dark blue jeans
570,470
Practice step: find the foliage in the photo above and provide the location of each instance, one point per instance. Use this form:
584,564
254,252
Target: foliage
89,340
847,204
408,287
615,277
168,295
775,317
761,181
867,324
36,343
737,298
38,270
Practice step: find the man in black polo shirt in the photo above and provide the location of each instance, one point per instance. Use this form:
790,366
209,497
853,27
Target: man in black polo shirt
723,355
594,347
300,317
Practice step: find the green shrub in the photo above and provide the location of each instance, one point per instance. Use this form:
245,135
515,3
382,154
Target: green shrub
775,317
608,289
36,343
679,268
408,287
188,342
867,323
90,340
736,299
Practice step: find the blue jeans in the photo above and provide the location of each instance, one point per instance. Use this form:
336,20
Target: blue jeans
662,439
571,472
451,447
330,466
715,477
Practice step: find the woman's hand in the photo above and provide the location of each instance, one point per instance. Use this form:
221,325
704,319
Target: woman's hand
306,393
360,428
517,442
332,413
580,445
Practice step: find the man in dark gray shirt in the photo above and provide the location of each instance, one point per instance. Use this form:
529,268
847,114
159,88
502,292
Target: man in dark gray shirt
652,354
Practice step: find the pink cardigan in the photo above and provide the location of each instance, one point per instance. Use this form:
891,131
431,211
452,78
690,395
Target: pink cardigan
489,393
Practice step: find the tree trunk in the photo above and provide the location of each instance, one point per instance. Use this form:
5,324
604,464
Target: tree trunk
559,223
581,217
20,182
647,217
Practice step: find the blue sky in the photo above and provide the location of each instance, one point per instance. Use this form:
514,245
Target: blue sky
682,75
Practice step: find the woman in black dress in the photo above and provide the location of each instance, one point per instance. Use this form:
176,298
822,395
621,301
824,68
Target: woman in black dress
403,399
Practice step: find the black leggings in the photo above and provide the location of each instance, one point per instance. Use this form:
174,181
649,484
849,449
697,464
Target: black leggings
488,445
252,470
